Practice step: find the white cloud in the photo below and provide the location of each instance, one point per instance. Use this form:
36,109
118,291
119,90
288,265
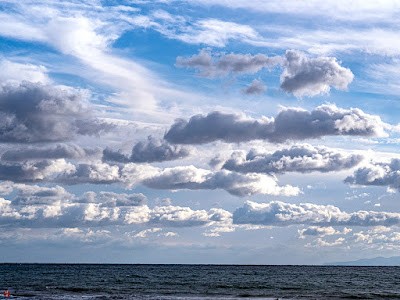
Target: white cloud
16,72
278,213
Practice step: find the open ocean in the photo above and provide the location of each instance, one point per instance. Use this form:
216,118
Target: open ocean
86,281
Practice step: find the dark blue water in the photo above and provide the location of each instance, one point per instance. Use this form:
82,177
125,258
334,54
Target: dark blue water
52,281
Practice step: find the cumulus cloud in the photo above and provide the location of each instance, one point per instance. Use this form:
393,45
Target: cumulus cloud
278,213
41,195
234,183
289,124
111,199
35,195
94,173
144,233
152,150
299,158
32,113
255,87
54,152
221,65
317,231
176,178
378,174
34,171
305,76
72,215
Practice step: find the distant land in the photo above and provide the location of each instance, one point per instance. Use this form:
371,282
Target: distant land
376,261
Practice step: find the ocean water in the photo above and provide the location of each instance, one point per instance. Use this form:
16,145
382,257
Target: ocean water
85,281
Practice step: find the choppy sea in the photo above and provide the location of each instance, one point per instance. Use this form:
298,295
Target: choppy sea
87,281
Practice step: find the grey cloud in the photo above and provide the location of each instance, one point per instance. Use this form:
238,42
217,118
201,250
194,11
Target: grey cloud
111,199
289,124
32,113
255,87
186,177
152,150
225,64
33,171
317,231
302,76
298,158
95,173
305,76
35,195
378,174
54,152
175,216
278,213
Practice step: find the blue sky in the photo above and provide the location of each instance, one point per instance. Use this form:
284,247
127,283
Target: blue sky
201,131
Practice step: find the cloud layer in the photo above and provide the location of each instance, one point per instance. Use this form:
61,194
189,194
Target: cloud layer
152,150
278,213
290,124
299,158
176,178
225,64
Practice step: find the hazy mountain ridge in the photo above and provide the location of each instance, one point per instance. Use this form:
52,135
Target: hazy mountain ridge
376,261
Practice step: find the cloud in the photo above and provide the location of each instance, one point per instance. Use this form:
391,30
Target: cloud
289,124
175,216
378,174
207,31
152,150
32,113
255,87
305,76
278,213
67,151
94,173
143,233
72,215
236,184
36,195
34,171
225,64
358,10
16,72
317,231
302,76
176,178
299,158
111,199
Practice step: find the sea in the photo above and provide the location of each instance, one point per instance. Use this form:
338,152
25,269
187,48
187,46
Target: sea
96,281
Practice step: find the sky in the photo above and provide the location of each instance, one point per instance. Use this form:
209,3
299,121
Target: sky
182,131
